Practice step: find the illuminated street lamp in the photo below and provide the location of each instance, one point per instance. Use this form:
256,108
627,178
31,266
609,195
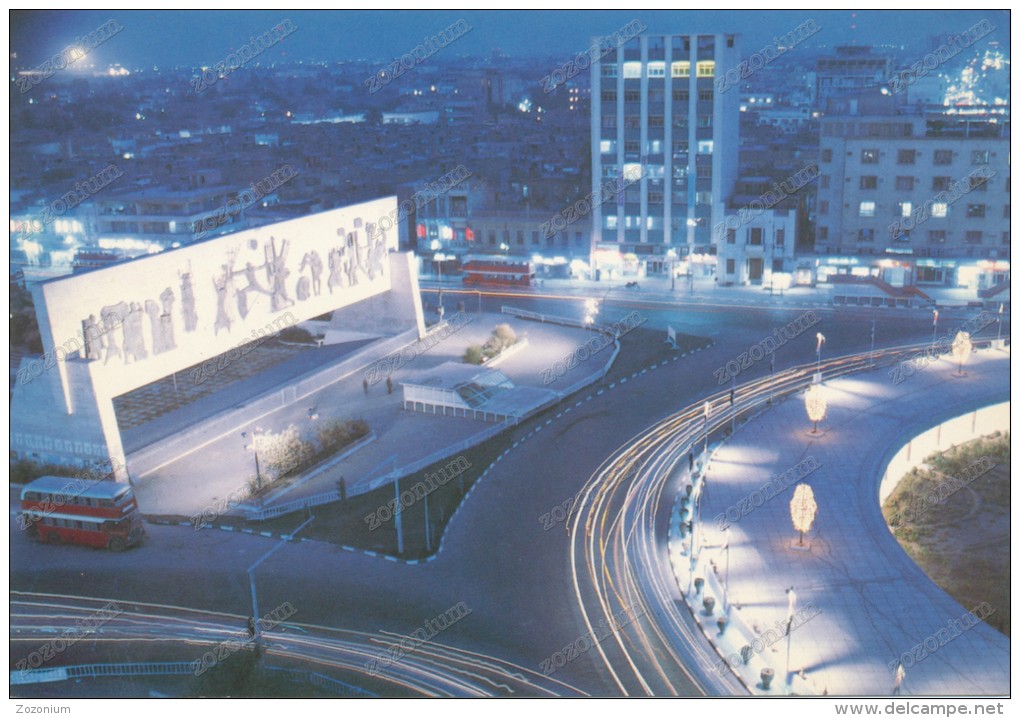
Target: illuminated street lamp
816,405
962,348
818,354
803,509
505,247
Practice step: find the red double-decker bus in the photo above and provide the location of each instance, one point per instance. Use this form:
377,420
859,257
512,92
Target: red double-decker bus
104,514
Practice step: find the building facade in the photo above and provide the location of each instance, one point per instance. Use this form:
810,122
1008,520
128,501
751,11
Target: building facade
930,191
662,129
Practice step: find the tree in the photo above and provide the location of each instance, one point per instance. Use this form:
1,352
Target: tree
283,453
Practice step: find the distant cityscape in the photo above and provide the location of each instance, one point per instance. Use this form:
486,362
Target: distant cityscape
110,163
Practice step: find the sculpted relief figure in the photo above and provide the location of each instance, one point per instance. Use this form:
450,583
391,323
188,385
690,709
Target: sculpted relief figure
313,261
113,316
276,269
336,266
134,340
224,288
377,254
188,302
94,341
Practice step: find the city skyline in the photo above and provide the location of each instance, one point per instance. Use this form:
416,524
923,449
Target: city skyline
193,38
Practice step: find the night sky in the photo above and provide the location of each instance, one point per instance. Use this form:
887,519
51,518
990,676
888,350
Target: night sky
194,38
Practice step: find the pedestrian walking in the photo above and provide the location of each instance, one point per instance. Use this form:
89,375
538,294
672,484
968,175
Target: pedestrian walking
690,461
251,627
364,383
389,385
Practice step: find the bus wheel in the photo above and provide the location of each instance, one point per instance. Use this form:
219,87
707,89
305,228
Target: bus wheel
117,544
54,538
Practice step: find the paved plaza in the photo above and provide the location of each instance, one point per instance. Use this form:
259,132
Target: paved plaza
861,602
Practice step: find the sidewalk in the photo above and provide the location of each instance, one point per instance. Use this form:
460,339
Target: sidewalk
202,475
705,291
861,603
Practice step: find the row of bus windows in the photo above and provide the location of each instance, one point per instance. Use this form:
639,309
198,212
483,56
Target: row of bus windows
70,500
70,524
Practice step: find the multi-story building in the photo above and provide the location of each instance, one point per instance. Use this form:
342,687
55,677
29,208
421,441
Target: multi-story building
660,127
850,71
928,191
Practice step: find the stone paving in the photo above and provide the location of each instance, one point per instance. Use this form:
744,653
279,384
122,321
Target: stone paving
861,603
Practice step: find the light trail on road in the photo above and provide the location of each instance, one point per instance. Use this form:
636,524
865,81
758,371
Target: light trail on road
429,669
619,550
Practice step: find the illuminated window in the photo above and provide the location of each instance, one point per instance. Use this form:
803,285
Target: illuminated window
940,210
906,208
631,70
632,171
705,147
681,69
656,69
867,209
706,68
610,221
869,157
607,146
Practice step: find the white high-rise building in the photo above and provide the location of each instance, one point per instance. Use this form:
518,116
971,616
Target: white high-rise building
660,118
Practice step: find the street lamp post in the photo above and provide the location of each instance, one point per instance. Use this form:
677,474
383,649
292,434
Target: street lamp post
733,397
251,582
672,269
439,258
934,324
255,451
726,573
871,361
791,606
998,337
772,376
818,354
708,411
